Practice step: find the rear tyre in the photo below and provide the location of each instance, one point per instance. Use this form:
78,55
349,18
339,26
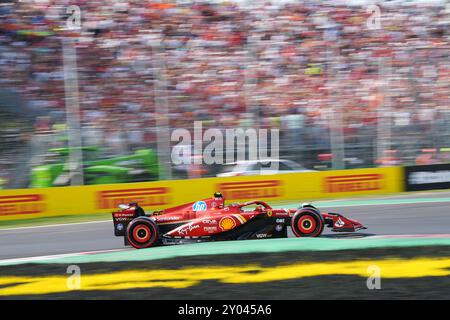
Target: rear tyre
307,222
142,233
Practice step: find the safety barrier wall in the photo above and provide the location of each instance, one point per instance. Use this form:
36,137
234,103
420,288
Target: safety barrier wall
57,201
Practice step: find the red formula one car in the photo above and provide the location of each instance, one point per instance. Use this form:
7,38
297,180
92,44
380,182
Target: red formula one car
212,220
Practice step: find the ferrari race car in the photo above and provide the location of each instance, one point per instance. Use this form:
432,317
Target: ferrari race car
211,220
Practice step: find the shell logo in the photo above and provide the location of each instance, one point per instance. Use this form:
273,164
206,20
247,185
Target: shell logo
227,223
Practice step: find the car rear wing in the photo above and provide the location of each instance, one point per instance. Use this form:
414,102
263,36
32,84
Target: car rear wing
121,219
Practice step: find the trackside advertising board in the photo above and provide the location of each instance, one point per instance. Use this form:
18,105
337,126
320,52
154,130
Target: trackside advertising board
307,186
428,177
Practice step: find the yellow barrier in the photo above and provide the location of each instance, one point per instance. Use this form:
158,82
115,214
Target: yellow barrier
32,203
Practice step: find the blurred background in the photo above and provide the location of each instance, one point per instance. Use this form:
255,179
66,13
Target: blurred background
96,103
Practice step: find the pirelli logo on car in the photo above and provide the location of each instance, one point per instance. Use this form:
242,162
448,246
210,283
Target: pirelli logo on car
250,190
21,204
354,183
146,197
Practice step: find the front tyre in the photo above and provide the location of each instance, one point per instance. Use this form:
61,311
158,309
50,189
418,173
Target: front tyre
307,222
142,233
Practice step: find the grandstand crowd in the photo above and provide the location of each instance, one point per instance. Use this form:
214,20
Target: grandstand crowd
288,66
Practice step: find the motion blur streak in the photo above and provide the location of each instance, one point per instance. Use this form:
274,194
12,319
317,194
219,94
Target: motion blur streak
188,277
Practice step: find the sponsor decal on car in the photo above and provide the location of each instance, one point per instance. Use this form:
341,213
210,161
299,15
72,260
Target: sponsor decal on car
21,204
146,197
123,214
210,229
227,223
279,227
339,223
240,217
354,183
262,235
168,218
199,206
209,221
251,189
123,219
188,228
280,221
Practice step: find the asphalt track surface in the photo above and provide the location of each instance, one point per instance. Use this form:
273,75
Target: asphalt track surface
384,219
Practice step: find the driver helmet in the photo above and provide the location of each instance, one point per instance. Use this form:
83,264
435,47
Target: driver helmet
219,198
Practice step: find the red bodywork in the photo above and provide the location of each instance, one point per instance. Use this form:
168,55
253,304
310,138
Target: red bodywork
210,217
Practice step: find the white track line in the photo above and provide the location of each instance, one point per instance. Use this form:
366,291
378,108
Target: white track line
54,225
55,256
408,236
